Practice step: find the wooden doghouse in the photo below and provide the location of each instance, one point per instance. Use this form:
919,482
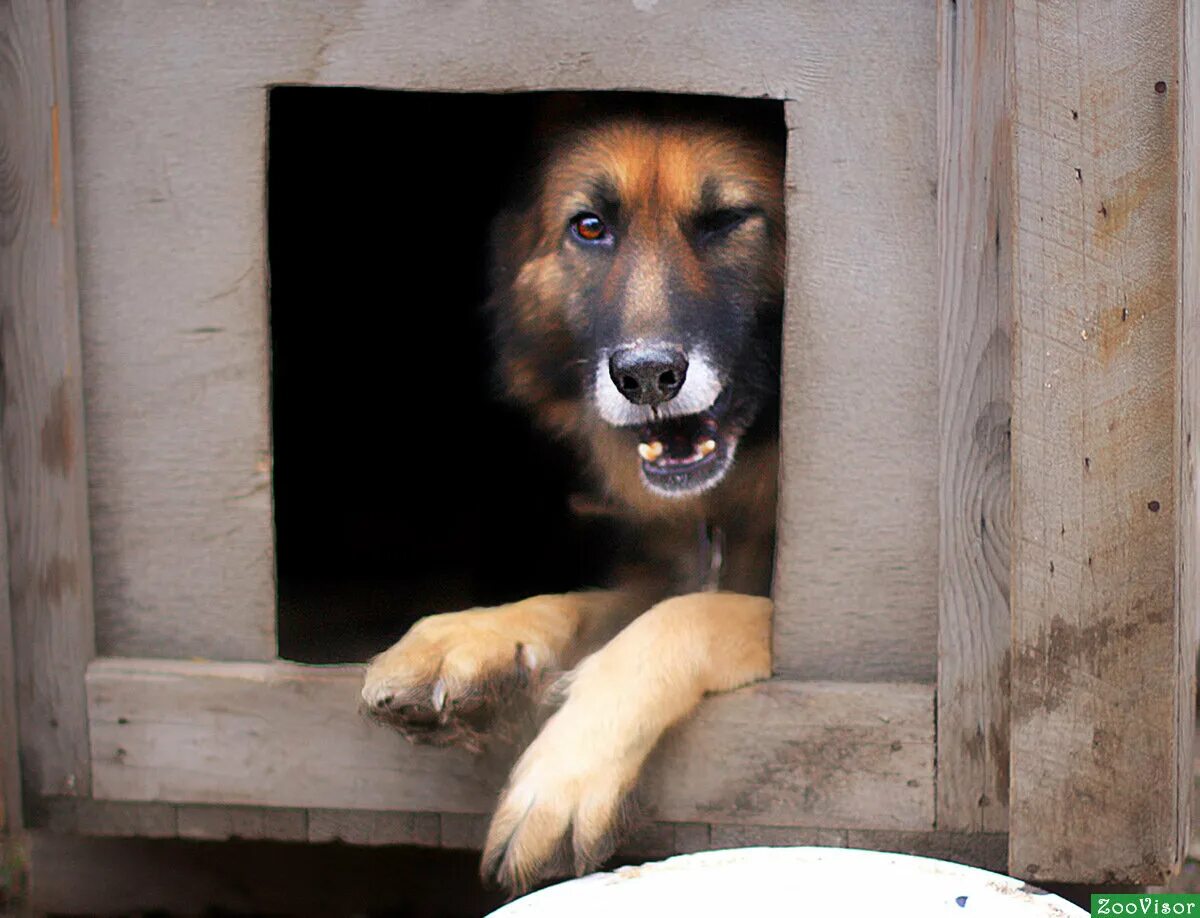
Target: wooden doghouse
992,304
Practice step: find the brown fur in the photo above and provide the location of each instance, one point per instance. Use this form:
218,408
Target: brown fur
637,661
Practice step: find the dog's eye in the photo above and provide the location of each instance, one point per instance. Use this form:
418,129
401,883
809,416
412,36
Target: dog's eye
719,222
589,228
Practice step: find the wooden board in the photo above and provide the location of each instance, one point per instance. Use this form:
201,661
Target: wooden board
1099,644
286,736
45,480
975,383
171,111
466,832
218,823
804,754
856,564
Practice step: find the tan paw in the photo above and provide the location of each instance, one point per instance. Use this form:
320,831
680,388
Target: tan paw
564,806
451,676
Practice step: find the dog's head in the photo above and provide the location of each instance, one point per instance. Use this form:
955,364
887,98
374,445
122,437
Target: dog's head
638,294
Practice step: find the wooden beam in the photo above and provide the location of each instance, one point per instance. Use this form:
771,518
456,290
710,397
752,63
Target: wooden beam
1100,730
466,831
975,410
45,482
283,735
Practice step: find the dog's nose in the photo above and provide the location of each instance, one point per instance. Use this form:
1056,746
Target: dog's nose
648,375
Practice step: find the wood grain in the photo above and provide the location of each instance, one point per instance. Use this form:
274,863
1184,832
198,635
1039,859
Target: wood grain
45,479
285,736
975,384
1098,727
804,754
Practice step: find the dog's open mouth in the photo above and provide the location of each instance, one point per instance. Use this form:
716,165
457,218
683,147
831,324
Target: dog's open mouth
686,455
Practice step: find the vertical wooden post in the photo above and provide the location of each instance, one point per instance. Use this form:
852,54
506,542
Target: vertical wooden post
45,483
1101,736
975,384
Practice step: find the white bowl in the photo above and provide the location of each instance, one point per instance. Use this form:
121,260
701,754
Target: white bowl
793,882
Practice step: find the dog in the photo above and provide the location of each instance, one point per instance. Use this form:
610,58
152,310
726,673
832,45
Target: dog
637,294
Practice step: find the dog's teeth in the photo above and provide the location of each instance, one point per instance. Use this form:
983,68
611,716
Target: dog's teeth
650,451
708,446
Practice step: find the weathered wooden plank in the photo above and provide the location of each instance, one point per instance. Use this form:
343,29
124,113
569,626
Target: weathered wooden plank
975,384
804,754
988,850
364,827
468,832
775,837
45,482
175,336
1098,643
856,564
285,735
76,816
271,735
218,823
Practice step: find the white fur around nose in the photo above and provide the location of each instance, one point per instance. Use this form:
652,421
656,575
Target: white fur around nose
700,389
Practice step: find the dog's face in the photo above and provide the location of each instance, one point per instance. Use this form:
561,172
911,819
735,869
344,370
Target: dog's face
639,295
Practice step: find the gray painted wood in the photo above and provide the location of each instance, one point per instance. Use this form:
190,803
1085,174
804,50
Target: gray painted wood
171,114
1099,731
281,735
856,565
975,347
45,480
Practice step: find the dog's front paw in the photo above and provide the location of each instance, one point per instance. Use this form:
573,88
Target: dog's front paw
450,677
562,809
